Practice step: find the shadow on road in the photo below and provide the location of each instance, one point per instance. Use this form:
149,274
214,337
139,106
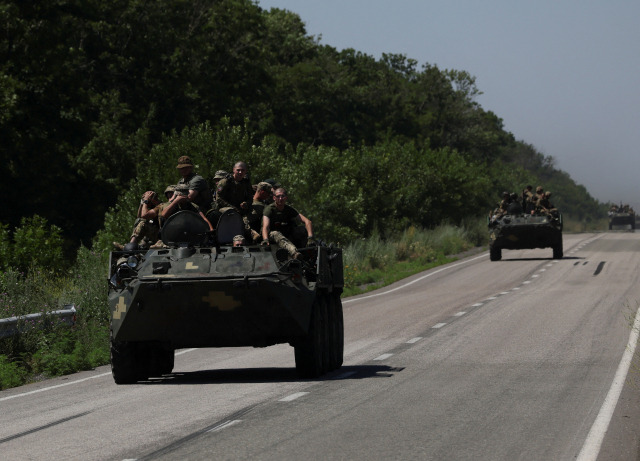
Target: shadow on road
270,375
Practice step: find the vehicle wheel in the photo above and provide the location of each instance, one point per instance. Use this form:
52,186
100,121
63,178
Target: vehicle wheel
160,359
338,328
309,351
495,254
125,362
557,251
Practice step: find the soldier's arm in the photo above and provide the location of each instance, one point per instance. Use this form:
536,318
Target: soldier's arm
307,224
265,228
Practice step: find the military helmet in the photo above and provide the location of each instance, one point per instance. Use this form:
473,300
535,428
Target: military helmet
273,182
263,186
547,194
170,189
539,189
220,174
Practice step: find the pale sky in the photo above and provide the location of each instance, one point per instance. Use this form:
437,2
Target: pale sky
562,74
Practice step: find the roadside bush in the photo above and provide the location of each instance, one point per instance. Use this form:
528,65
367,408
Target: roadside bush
11,373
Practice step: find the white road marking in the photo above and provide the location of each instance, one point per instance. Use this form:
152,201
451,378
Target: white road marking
504,293
461,313
515,288
383,357
535,276
492,298
591,447
414,340
477,304
526,281
438,325
24,394
224,425
291,397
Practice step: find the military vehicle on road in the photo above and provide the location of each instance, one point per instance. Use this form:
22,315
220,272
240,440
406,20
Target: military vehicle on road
622,220
524,231
200,291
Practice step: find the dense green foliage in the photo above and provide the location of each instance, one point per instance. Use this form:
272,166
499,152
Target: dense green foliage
88,88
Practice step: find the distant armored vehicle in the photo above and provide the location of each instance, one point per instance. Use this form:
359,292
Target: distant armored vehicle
200,291
523,231
622,220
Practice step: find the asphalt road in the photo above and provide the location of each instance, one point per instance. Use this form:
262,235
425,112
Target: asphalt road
474,360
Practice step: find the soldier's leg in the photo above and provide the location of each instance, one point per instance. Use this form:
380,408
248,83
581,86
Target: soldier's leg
283,242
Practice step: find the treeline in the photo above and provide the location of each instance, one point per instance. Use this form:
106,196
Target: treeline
98,99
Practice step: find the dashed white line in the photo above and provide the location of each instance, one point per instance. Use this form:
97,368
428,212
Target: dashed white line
221,426
477,305
461,313
526,282
492,298
535,276
438,325
291,397
383,357
504,293
414,340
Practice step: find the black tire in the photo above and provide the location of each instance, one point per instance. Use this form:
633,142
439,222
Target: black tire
125,363
310,350
495,254
557,251
338,328
160,359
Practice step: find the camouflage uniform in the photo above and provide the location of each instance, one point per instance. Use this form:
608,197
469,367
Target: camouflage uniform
257,208
230,193
282,225
146,229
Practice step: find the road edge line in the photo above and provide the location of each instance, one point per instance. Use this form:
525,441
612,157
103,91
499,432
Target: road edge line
593,443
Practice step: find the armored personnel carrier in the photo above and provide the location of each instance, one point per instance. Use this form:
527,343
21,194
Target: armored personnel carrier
525,231
622,220
200,291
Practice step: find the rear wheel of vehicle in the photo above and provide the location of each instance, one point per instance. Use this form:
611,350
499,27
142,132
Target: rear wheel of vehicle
309,351
557,251
495,254
159,358
125,363
338,328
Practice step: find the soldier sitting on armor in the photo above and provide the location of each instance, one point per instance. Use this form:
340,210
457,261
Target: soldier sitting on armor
544,205
279,221
145,229
263,192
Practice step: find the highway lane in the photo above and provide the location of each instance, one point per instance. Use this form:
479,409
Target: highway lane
473,360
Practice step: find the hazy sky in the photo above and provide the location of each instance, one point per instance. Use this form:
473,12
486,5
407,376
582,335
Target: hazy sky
562,74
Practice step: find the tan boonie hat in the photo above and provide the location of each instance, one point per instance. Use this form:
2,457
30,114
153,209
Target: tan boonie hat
184,161
220,174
